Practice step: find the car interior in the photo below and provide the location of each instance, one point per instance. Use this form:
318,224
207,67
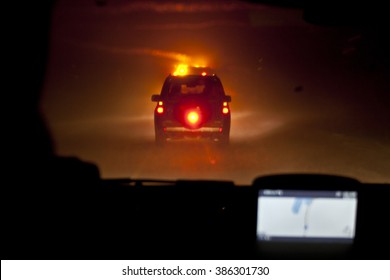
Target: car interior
63,207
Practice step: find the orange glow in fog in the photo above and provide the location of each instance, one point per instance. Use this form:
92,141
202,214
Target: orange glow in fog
181,70
193,117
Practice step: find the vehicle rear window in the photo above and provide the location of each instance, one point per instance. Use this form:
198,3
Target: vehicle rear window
194,86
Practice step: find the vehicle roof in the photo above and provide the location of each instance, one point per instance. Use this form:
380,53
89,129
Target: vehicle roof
173,77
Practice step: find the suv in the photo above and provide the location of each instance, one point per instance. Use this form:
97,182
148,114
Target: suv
192,104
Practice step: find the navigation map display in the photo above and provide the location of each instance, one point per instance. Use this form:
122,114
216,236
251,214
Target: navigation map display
308,216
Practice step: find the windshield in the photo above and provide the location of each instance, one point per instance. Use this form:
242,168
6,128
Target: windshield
306,98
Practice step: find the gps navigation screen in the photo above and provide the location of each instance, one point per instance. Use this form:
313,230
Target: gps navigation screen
308,216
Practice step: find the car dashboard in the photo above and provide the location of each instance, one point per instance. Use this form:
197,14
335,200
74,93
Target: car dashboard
286,216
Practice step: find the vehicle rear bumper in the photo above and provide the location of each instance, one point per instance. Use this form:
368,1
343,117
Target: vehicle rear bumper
175,132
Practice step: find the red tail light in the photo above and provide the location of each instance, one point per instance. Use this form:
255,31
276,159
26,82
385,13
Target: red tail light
160,108
225,108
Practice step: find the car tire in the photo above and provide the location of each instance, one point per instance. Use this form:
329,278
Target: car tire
224,140
159,136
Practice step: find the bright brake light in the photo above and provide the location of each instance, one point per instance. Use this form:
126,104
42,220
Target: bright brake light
160,108
225,108
193,117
